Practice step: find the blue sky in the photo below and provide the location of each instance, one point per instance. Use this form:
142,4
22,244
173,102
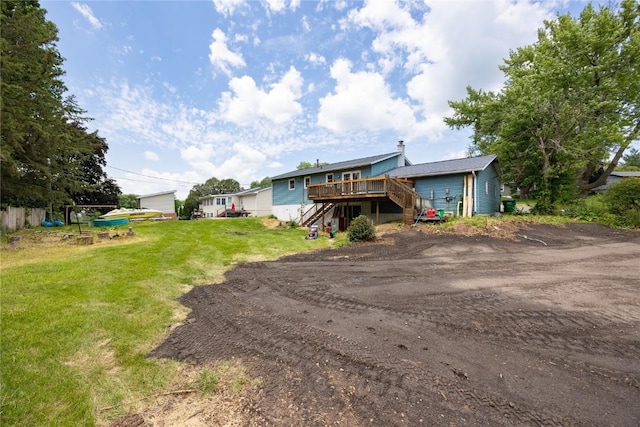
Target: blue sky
188,90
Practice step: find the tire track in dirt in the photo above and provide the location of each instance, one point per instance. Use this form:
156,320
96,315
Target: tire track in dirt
333,336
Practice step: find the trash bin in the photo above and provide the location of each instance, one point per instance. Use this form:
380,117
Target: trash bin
509,206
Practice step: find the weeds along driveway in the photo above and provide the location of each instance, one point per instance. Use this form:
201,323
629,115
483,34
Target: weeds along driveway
428,329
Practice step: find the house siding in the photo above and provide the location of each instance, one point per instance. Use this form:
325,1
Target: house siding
283,196
257,204
435,188
488,194
384,166
162,202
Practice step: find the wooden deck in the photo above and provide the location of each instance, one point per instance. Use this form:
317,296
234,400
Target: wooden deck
363,189
382,188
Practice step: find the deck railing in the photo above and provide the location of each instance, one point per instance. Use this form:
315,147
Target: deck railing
355,187
386,187
383,186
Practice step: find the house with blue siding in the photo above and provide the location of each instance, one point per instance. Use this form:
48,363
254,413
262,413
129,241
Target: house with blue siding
386,187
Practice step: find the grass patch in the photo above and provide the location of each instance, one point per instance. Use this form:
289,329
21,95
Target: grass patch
78,321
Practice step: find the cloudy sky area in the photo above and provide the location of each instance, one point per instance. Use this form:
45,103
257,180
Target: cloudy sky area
188,90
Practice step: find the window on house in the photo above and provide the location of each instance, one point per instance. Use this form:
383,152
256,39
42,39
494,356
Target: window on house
307,181
292,184
329,177
221,201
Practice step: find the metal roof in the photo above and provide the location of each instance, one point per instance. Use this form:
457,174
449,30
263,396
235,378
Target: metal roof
365,161
445,167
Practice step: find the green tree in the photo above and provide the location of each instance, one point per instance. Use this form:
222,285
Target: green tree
212,186
570,106
263,183
307,165
47,156
88,183
623,201
128,200
631,160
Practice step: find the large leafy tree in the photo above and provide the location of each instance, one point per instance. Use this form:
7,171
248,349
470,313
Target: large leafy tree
90,185
128,200
263,183
47,156
570,106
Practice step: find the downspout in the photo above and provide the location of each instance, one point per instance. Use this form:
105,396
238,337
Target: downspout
475,191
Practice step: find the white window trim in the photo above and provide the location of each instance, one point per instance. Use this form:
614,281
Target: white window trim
329,175
294,184
305,179
351,174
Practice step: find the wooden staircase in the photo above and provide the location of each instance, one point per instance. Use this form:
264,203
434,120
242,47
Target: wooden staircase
315,214
404,196
328,195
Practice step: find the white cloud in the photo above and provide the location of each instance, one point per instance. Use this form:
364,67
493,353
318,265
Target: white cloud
87,13
362,100
153,181
451,45
306,26
280,5
194,153
169,87
220,56
240,163
227,7
315,59
249,103
150,155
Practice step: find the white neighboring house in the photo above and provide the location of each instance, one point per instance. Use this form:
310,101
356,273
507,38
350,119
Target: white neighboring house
215,205
164,202
255,201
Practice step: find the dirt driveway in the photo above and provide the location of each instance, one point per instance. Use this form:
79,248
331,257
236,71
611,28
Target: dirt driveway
432,329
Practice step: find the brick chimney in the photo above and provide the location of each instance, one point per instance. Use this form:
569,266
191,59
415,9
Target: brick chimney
401,151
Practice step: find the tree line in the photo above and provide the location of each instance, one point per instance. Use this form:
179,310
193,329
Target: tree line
48,157
570,106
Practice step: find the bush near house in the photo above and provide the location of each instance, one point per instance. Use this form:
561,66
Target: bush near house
361,230
623,201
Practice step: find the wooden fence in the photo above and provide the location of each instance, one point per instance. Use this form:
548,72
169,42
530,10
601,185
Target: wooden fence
17,218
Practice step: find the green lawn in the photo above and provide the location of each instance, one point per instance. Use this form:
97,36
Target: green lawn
78,321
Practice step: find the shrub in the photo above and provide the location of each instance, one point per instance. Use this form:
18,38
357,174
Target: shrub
623,201
361,230
579,209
